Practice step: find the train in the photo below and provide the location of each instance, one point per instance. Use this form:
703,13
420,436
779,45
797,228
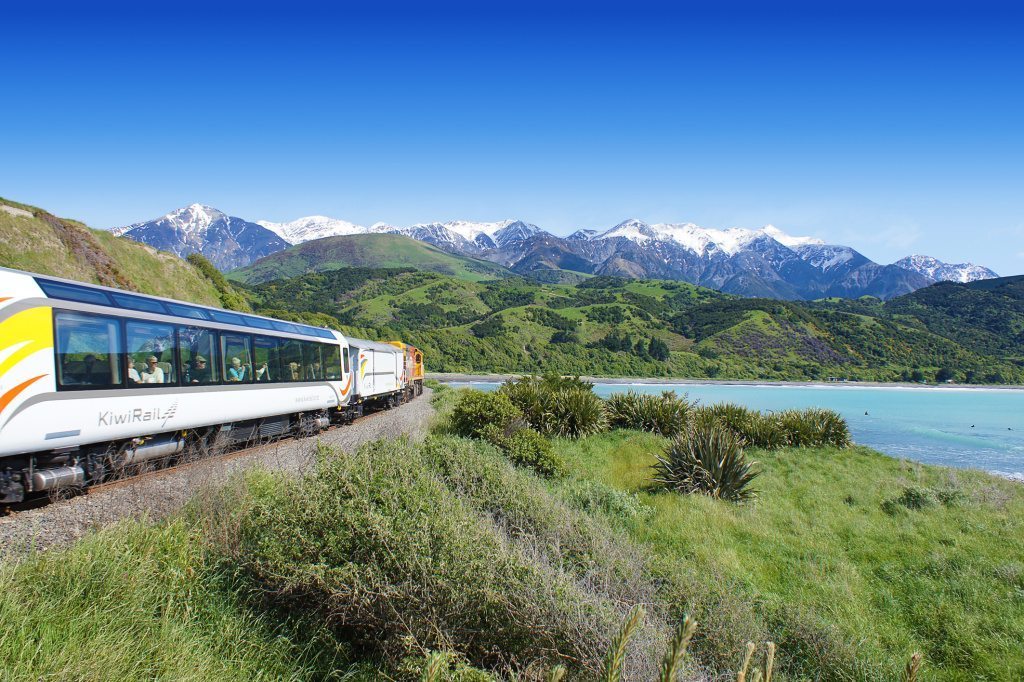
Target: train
97,383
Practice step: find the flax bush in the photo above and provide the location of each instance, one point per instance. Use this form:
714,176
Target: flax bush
707,459
664,414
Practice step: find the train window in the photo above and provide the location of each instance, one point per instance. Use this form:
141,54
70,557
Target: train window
258,322
332,361
146,305
73,292
88,351
187,311
286,327
312,364
266,359
226,318
150,357
291,359
196,355
236,363
344,359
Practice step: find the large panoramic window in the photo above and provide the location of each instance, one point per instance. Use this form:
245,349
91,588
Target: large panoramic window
332,361
88,351
150,354
267,366
235,360
197,357
291,359
312,363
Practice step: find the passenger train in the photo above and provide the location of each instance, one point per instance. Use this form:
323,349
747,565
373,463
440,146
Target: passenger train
96,381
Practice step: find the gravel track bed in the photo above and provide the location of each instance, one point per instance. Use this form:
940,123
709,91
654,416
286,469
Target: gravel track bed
157,495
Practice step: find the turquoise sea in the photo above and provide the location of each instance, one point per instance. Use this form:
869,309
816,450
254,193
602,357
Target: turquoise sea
978,428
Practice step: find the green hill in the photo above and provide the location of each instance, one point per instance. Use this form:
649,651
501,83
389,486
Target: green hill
34,240
368,251
615,327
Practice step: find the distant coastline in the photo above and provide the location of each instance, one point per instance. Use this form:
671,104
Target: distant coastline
625,381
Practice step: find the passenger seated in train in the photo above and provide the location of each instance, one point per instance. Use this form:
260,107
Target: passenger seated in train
263,373
236,372
197,372
314,372
152,374
133,374
293,368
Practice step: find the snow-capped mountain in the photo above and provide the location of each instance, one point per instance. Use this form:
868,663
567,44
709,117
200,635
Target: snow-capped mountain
312,227
226,241
765,262
936,270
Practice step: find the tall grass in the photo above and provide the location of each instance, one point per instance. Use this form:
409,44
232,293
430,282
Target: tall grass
442,546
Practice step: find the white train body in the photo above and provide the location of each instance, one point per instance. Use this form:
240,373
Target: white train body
378,369
93,377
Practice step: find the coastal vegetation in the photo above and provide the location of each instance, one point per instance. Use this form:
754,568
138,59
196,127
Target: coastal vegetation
449,559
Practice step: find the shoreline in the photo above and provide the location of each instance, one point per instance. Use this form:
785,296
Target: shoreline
446,377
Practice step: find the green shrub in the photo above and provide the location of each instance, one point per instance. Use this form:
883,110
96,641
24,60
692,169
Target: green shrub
707,459
442,546
557,406
525,447
590,496
911,497
475,410
576,413
533,399
815,427
664,414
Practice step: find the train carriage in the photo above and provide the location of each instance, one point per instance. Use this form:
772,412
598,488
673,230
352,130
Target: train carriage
413,358
94,379
379,374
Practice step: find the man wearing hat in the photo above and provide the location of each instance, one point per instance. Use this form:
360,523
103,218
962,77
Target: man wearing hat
152,374
197,373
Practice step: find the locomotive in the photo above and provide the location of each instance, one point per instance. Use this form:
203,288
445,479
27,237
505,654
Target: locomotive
96,382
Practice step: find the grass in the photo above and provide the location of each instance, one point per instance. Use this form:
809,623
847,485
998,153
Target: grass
143,601
843,578
443,561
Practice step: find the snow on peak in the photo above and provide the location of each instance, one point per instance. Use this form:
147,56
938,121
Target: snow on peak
312,227
789,240
470,230
935,269
702,240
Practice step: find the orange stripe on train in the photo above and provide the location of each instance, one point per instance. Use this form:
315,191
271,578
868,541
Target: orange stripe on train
6,398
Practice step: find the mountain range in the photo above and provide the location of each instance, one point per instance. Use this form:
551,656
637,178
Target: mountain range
765,262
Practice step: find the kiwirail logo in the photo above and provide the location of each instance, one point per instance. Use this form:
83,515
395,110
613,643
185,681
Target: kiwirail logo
138,415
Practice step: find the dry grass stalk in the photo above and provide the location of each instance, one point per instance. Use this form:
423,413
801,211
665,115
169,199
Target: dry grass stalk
670,665
913,667
616,656
742,675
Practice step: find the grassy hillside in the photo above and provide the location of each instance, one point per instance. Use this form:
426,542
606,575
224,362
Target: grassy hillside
374,250
32,239
607,326
405,557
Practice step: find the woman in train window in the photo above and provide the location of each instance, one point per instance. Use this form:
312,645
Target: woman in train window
152,374
236,372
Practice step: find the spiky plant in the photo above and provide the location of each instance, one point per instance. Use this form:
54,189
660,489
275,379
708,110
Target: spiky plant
815,427
664,414
533,398
707,459
577,413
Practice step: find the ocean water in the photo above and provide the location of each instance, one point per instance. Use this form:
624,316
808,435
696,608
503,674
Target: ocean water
977,428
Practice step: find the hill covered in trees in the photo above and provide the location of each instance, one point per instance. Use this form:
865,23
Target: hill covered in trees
611,326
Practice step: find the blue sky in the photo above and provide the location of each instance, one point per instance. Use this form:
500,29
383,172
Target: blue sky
894,128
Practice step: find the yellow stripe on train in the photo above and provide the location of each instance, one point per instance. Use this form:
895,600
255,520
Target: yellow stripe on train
23,334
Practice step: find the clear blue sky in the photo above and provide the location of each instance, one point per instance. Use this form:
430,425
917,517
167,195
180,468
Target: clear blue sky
894,128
